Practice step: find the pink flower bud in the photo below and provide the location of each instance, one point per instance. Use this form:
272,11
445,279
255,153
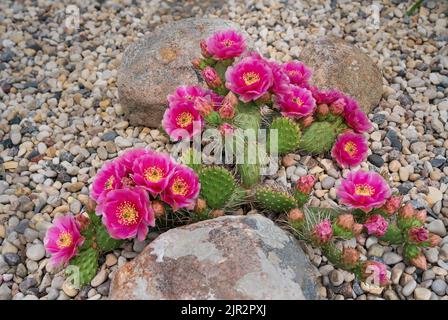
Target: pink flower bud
323,232
305,184
227,111
322,109
200,205
434,239
420,215
345,221
418,234
350,257
217,213
407,211
307,121
204,49
211,77
158,208
296,215
419,261
376,225
231,98
82,220
226,129
337,107
196,63
203,105
392,204
357,229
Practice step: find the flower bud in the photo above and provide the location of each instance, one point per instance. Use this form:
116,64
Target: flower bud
217,213
203,105
345,221
419,261
322,110
305,184
421,215
307,121
158,208
392,204
350,257
323,232
91,205
357,229
200,206
295,215
418,234
82,220
407,211
434,239
226,129
337,107
227,111
196,63
231,98
375,272
204,50
211,77
376,225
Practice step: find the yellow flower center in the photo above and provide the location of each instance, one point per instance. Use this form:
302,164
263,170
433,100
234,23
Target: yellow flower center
250,78
109,183
65,240
153,174
350,148
293,72
227,43
127,213
184,119
298,101
179,187
364,190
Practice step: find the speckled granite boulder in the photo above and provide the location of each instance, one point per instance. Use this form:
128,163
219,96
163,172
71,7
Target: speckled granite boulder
155,65
339,65
231,257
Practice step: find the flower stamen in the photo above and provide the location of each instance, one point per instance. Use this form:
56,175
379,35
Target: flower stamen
350,148
65,240
364,190
184,119
109,183
153,174
180,187
127,214
250,78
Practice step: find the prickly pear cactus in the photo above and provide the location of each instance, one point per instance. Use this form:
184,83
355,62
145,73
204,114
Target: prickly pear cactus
274,200
319,137
189,157
87,263
217,186
104,241
288,135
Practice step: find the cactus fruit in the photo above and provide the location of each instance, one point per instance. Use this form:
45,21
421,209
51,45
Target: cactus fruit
274,200
319,137
288,135
104,241
87,263
217,186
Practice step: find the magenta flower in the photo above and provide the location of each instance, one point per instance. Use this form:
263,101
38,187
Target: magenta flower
376,225
297,71
323,232
250,78
281,82
305,184
355,117
376,272
349,150
182,121
185,94
363,190
152,172
226,44
182,189
127,213
326,97
296,102
215,99
108,178
62,240
418,234
127,159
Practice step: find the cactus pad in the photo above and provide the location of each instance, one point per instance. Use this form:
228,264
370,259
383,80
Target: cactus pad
319,137
87,263
104,241
288,135
217,186
274,200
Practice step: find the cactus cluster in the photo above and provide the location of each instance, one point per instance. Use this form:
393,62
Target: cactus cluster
271,199
217,186
288,135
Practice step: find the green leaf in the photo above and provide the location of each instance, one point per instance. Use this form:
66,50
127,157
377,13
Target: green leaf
86,265
104,241
414,7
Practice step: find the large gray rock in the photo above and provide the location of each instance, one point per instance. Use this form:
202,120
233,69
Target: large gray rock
231,257
337,64
155,65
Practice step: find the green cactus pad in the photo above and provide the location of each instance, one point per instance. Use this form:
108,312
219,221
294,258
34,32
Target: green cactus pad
410,251
104,241
393,234
288,135
318,138
217,186
274,200
87,262
341,232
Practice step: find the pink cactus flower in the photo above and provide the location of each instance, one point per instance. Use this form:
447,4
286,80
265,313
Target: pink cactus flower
127,159
337,107
215,99
363,190
355,117
323,232
327,97
182,189
298,72
184,94
226,129
127,213
108,178
349,150
226,44
152,172
204,50
250,78
182,121
296,102
305,184
375,272
376,225
418,234
63,240
211,77
281,82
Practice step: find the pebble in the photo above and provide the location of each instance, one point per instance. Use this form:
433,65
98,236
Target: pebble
437,227
422,294
336,278
35,252
99,278
391,258
409,288
439,287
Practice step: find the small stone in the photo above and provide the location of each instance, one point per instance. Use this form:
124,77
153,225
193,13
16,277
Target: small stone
111,260
404,174
288,161
328,182
336,278
69,290
432,255
109,136
376,250
418,147
439,287
35,252
27,283
5,292
75,187
409,288
99,278
437,227
12,259
122,142
422,294
375,159
434,195
396,272
391,258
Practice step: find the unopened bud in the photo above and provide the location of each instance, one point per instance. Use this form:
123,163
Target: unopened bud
345,221
204,49
350,257
307,121
200,206
217,213
296,215
322,110
158,208
419,261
